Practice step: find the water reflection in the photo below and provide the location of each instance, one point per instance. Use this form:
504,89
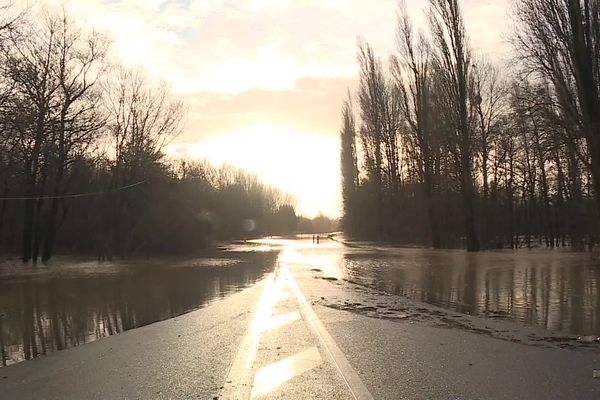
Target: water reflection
556,290
43,311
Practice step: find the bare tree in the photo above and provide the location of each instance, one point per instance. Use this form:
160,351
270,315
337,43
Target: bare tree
488,100
372,97
349,167
559,40
453,60
448,132
411,69
84,161
12,14
31,65
142,119
81,62
52,71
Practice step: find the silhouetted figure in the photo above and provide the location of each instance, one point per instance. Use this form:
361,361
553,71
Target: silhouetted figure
317,239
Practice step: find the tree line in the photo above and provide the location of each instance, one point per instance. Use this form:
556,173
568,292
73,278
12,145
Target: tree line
82,162
444,147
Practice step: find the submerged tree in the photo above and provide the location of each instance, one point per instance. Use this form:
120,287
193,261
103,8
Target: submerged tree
412,69
372,97
52,72
453,62
349,166
488,100
142,119
558,40
488,157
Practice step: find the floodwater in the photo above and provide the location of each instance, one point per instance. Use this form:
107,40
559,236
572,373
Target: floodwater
45,309
554,289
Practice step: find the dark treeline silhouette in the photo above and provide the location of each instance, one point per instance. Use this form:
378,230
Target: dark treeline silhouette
449,149
73,122
318,224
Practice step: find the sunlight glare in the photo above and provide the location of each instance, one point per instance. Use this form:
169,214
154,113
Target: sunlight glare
304,165
274,375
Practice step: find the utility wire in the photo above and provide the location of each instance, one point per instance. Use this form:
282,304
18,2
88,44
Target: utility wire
75,195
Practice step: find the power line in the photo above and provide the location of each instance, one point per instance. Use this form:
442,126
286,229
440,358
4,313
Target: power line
75,195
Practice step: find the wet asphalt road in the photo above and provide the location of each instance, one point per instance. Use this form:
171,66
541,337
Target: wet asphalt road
276,340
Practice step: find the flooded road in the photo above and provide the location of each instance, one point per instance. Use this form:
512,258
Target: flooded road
45,309
556,290
285,338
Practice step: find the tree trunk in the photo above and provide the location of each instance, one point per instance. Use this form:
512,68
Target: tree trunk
469,211
50,233
428,187
31,167
379,189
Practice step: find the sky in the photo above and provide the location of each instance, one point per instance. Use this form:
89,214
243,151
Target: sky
264,80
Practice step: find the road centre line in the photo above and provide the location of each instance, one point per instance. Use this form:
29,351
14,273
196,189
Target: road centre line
351,378
278,321
239,382
239,379
276,374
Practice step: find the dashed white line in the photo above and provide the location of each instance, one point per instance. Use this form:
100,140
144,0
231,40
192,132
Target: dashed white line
238,383
274,375
351,378
280,320
241,384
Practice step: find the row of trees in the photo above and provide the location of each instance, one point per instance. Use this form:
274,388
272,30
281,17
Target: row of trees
447,149
82,166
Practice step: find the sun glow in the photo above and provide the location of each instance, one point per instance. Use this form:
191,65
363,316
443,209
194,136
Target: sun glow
304,165
239,62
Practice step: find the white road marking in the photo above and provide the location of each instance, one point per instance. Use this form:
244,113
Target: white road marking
238,383
357,388
274,375
282,319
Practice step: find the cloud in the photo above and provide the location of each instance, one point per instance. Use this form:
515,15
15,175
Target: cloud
312,106
284,64
233,46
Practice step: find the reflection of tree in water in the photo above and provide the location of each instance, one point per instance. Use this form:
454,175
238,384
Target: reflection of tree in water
45,315
3,355
558,291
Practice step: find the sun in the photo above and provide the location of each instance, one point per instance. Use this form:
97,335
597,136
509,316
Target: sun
302,164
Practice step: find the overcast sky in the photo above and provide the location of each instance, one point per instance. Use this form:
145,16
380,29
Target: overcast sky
264,79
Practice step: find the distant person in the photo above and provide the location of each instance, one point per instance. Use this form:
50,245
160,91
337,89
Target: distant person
317,239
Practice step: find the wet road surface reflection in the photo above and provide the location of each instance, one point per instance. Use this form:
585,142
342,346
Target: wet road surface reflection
47,309
557,290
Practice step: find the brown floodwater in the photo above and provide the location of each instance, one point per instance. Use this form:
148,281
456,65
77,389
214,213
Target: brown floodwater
554,289
44,309
49,308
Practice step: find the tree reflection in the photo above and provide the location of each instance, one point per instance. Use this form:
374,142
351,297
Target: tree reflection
558,291
41,315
